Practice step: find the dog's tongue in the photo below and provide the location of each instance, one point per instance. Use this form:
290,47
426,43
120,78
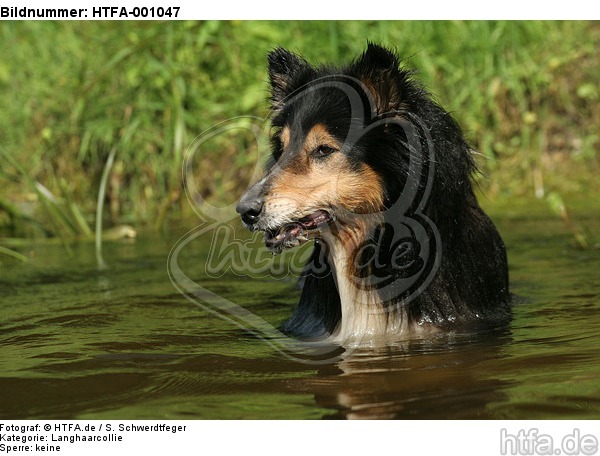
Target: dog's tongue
287,236
284,233
294,234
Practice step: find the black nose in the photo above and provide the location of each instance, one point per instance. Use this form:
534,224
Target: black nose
250,210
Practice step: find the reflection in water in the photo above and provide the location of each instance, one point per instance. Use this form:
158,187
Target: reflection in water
442,378
122,344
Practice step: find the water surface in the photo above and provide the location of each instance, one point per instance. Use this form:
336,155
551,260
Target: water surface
122,343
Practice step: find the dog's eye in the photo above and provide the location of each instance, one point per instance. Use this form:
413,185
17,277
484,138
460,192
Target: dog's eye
323,151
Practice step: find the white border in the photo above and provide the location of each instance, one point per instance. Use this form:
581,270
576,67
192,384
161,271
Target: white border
319,9
263,438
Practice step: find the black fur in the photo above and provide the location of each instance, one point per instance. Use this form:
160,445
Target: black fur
471,284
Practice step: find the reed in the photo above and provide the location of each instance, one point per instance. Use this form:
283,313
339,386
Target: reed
526,94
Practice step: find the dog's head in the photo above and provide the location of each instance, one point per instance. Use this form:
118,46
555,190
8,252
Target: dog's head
328,165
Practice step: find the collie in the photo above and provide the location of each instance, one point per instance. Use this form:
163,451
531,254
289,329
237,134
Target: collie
377,175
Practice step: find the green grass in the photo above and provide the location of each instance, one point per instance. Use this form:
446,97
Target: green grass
526,94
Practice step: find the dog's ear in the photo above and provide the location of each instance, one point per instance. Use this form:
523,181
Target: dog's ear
377,68
282,66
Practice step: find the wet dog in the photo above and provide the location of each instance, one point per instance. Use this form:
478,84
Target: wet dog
374,172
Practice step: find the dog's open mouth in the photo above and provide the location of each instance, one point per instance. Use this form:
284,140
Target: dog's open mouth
295,233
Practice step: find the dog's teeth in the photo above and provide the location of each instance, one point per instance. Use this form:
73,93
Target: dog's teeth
288,236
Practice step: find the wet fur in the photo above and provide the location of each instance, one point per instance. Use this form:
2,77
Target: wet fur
471,285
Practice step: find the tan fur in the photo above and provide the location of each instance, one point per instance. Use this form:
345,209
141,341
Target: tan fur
285,136
305,183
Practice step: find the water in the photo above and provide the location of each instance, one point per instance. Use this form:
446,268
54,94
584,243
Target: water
123,343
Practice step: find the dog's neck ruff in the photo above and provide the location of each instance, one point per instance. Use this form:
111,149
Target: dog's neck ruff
365,319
